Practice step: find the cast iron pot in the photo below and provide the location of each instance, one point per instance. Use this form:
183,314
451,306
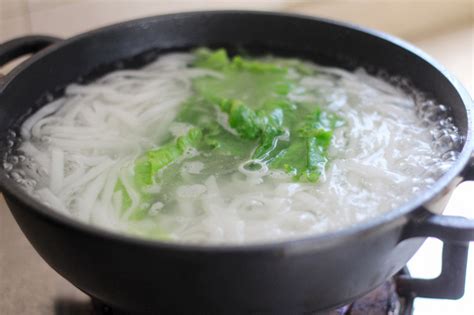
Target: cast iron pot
286,277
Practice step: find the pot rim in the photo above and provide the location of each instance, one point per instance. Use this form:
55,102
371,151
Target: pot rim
305,243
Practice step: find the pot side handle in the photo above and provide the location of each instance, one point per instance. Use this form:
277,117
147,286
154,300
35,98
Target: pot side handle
20,46
456,233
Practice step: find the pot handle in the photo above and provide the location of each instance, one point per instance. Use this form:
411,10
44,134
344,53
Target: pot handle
17,47
456,233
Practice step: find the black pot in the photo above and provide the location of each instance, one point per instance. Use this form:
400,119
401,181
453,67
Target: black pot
285,277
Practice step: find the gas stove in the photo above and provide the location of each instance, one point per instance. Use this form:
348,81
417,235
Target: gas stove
382,301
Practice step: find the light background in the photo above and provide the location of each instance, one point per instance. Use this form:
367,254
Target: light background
444,29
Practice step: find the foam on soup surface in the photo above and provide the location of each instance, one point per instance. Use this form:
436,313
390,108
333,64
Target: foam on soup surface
200,147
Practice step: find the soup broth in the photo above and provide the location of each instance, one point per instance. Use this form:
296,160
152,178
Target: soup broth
206,148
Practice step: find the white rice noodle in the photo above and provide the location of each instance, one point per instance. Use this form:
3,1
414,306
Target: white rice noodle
79,147
51,199
38,116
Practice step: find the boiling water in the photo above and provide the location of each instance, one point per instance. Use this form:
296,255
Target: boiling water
72,152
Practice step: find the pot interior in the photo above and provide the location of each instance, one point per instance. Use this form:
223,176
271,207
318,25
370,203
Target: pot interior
136,43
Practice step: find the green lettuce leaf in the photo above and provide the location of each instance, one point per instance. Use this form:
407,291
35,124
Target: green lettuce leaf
307,155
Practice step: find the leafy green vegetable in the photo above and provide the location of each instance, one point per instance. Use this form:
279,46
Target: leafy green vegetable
250,81
238,63
296,64
126,200
219,60
151,163
244,112
251,124
154,161
312,140
216,60
202,114
222,142
244,120
254,95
